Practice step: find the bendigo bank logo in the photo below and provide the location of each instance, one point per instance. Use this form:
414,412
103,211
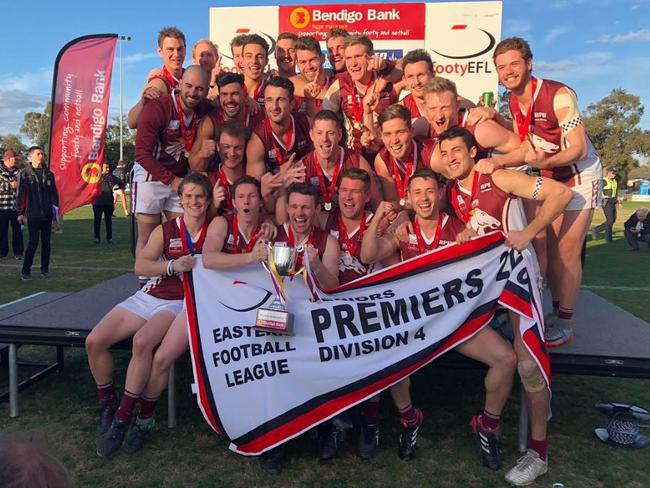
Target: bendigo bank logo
299,17
472,43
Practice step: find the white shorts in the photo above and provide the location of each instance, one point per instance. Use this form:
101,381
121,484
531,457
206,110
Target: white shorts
152,197
146,306
586,190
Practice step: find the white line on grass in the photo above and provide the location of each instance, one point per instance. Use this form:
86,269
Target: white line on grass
623,288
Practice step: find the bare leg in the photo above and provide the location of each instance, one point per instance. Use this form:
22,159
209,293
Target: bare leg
538,401
123,198
146,224
565,247
144,341
401,393
531,208
491,349
115,326
173,345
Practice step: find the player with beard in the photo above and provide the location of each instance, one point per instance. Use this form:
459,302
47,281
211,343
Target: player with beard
401,154
280,134
146,316
236,47
546,115
363,79
206,54
278,141
486,203
232,107
255,58
171,48
320,248
443,111
285,54
433,229
325,164
313,81
235,240
162,146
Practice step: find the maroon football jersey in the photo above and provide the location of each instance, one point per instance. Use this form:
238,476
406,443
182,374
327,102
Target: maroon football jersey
450,227
300,142
258,95
547,133
170,287
159,145
317,238
486,207
250,120
350,265
421,152
348,158
236,243
352,108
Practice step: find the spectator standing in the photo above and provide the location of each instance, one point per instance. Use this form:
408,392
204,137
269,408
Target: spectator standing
118,189
637,228
8,212
103,204
610,188
38,203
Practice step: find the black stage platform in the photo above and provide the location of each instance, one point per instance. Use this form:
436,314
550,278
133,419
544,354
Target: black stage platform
608,340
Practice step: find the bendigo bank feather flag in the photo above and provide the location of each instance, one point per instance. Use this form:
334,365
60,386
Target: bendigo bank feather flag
80,95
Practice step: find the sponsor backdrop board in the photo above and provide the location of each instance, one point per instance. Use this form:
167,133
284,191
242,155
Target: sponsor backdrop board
459,36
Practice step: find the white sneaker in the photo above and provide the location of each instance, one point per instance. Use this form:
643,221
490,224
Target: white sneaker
558,333
528,468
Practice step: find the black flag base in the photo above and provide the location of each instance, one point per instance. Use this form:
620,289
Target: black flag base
623,426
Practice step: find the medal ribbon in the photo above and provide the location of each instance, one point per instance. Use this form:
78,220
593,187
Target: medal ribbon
292,242
186,239
458,201
523,124
402,185
288,145
327,195
226,188
352,248
188,139
420,238
357,109
171,79
251,242
257,90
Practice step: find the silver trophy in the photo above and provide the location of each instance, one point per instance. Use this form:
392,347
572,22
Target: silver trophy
282,264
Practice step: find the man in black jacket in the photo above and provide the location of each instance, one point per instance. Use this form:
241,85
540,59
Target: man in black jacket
8,214
38,200
637,228
103,204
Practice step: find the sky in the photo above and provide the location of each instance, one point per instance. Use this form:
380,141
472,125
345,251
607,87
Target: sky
610,48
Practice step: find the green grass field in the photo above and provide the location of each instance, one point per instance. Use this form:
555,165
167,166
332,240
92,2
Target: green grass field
59,412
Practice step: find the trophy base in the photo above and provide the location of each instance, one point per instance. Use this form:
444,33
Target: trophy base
276,320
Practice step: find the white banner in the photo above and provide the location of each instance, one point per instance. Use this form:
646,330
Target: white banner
261,389
459,36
